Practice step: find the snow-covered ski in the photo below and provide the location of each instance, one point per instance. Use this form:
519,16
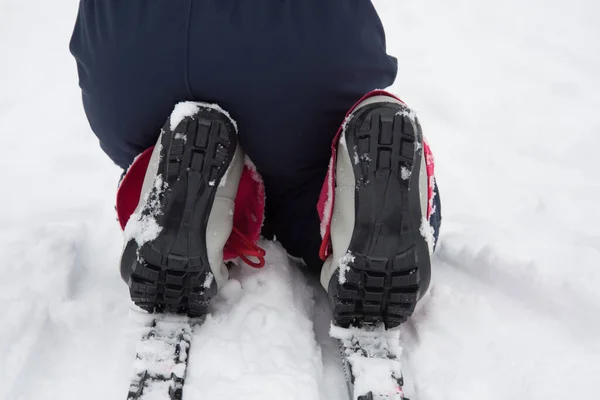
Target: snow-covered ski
161,360
371,362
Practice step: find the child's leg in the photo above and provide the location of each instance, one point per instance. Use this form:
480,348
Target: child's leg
131,60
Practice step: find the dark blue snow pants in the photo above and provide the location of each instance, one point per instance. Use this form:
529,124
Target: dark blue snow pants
286,70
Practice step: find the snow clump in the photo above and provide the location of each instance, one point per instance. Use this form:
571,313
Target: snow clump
344,267
142,225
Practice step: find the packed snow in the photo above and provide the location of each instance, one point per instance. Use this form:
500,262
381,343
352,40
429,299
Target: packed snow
380,367
259,341
157,353
508,94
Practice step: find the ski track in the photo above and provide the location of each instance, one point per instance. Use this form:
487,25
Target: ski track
507,93
258,342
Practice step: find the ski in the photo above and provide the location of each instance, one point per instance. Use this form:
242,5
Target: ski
371,362
161,358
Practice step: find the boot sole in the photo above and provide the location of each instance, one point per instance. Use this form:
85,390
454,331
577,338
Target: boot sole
388,268
172,273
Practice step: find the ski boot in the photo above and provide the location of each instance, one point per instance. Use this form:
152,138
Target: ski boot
176,206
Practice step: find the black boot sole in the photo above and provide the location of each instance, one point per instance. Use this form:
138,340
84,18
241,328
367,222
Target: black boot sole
389,268
171,273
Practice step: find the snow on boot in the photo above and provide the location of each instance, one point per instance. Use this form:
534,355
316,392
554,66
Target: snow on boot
176,206
375,209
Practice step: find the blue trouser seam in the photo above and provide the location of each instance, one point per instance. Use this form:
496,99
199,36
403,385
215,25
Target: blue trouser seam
187,53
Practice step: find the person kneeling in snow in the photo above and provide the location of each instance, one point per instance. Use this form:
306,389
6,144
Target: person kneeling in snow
359,206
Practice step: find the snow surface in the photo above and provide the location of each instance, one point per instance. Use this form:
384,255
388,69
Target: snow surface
508,94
